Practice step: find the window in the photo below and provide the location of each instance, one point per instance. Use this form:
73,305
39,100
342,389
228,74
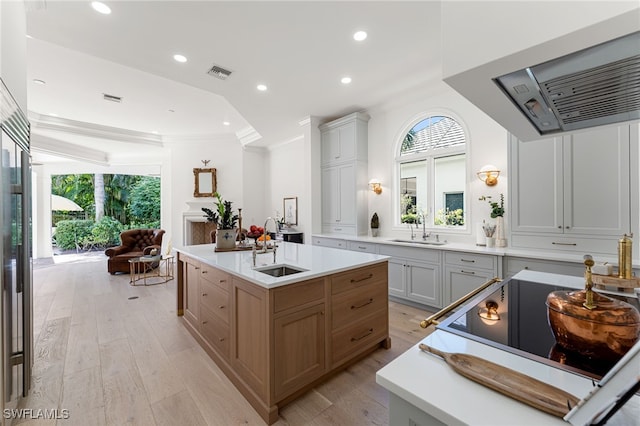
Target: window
432,173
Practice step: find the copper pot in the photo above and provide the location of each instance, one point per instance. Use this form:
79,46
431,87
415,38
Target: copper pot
605,332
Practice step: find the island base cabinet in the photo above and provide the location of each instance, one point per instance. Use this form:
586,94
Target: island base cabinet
275,344
299,343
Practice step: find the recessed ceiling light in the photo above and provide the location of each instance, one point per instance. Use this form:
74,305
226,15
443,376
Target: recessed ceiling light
38,81
226,123
172,110
100,7
180,58
359,35
345,80
28,36
261,87
154,132
53,114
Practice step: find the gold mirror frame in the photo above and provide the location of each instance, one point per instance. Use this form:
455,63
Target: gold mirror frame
201,179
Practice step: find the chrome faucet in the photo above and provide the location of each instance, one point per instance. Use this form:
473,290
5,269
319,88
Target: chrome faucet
424,227
264,246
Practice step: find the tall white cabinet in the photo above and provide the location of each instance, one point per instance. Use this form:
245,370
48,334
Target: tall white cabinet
574,192
344,175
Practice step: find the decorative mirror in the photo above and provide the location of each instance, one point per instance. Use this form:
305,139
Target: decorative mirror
205,182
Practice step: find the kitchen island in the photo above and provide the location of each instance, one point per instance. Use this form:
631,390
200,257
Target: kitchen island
275,337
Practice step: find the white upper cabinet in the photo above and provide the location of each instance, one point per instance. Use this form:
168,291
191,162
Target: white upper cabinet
576,187
344,175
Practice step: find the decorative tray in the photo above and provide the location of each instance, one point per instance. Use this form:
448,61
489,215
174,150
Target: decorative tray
236,248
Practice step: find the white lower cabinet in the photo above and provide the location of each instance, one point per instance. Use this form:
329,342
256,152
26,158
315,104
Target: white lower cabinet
414,274
464,272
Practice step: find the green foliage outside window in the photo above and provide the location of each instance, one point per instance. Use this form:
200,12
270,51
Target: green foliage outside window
449,217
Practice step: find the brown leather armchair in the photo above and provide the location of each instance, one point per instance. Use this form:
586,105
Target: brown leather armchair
133,243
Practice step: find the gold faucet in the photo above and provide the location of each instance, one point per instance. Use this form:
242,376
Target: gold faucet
588,286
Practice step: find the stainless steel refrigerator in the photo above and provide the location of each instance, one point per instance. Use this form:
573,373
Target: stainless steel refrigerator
15,250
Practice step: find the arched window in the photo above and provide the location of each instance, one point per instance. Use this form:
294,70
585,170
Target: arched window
431,162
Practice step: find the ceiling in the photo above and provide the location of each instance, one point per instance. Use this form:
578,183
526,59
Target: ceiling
299,49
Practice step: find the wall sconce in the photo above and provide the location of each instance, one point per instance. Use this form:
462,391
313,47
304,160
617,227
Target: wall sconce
489,312
489,174
375,186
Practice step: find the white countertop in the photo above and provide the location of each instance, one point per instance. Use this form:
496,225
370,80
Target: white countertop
472,248
317,261
428,383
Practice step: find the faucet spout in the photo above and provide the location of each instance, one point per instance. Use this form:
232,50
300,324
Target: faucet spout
264,247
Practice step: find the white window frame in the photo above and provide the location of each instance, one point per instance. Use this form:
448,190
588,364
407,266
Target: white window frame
430,159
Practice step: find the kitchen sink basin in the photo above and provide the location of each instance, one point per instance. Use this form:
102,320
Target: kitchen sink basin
424,243
280,270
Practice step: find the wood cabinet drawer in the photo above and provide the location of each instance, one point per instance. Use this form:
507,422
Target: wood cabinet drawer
358,277
214,331
297,294
349,341
215,276
215,299
351,306
471,260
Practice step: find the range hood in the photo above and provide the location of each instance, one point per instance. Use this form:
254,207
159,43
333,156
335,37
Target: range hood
592,87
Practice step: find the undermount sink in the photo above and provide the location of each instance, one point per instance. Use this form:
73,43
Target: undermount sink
280,270
426,243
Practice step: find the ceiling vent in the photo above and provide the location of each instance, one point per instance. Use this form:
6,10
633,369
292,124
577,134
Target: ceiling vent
219,72
111,98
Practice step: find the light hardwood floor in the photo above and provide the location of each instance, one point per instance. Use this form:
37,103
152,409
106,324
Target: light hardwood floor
113,354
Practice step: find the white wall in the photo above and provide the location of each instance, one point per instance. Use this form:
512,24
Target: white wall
13,50
486,141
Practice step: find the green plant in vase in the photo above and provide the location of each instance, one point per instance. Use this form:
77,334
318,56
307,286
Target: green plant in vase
225,221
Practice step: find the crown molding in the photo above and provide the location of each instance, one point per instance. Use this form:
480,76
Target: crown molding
59,148
47,122
248,135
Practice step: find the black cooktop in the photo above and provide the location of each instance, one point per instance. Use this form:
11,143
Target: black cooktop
523,327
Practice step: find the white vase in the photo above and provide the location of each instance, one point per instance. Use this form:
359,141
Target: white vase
500,239
374,232
226,238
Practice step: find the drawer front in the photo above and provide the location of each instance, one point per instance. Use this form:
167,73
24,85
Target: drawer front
351,306
514,265
215,276
363,247
350,341
368,275
607,246
471,260
329,242
423,254
215,300
297,294
339,229
214,331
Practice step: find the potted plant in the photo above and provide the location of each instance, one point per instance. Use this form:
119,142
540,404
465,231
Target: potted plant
375,224
497,213
225,221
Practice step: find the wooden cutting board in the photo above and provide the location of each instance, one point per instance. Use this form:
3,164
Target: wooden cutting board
508,382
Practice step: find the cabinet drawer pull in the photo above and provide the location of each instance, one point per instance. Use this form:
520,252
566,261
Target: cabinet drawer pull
337,229
368,302
221,339
222,281
362,248
204,294
564,244
197,267
355,339
559,226
221,306
467,260
204,271
204,322
467,272
353,280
